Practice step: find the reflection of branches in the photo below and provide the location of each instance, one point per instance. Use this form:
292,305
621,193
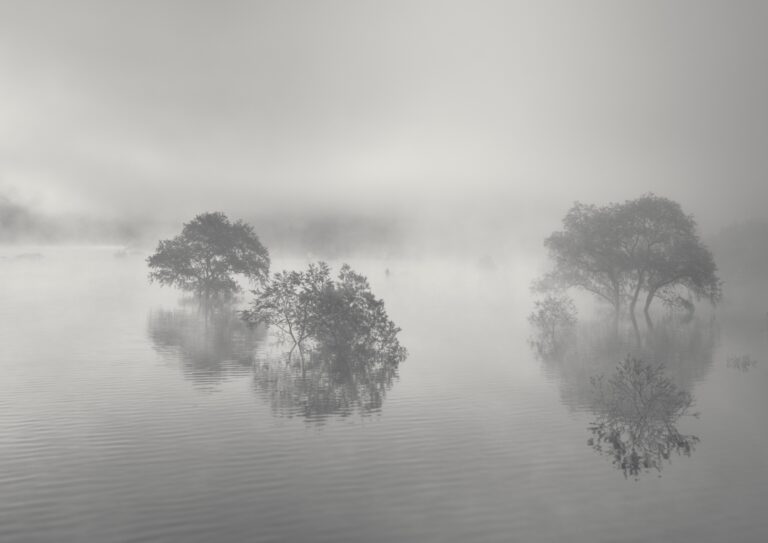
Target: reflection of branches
348,346
207,349
685,349
288,304
636,413
328,384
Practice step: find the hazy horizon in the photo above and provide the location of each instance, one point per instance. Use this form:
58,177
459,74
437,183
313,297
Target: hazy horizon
421,113
411,344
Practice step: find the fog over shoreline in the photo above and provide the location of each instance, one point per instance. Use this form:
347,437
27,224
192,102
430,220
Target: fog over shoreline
427,115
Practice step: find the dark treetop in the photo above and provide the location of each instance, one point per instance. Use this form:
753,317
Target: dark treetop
208,254
620,251
347,345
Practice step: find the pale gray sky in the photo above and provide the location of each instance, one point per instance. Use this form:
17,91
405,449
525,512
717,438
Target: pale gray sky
167,108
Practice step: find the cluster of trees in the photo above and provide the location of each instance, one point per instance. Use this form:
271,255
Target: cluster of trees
224,346
339,320
619,252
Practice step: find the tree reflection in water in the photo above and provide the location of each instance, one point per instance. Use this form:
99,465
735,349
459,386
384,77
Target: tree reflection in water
348,348
636,412
333,378
638,405
328,384
686,349
209,350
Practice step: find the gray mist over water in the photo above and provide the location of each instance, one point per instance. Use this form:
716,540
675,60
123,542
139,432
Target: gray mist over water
433,116
433,146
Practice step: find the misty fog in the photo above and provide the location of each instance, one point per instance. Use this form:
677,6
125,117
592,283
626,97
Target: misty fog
383,271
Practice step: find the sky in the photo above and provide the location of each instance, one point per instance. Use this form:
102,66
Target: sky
504,112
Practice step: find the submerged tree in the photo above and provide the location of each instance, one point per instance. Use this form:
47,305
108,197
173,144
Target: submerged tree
207,255
352,324
325,385
552,318
637,410
665,255
687,270
619,251
348,347
290,304
340,317
587,255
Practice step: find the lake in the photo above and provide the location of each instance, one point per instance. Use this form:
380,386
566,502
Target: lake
124,418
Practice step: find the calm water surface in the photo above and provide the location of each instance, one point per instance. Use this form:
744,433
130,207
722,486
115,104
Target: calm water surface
123,418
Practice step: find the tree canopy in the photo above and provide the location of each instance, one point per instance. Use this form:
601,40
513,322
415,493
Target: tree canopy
208,255
587,255
289,303
348,347
619,251
337,319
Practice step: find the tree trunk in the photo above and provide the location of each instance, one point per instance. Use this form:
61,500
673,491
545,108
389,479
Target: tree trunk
206,302
633,304
301,358
635,295
636,329
648,301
